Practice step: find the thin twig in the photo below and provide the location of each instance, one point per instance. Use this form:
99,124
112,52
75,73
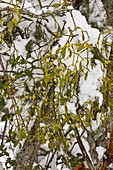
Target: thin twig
4,133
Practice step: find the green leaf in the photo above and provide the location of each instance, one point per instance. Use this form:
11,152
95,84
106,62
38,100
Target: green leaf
2,103
46,78
66,108
81,47
21,134
28,73
59,126
57,51
18,14
36,167
1,83
14,61
7,116
83,37
89,46
29,45
86,75
77,44
10,26
73,163
63,53
12,106
13,162
66,78
111,104
19,111
98,55
76,78
56,5
8,39
61,82
15,21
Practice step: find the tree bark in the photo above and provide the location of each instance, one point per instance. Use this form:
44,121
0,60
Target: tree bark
26,157
108,5
109,152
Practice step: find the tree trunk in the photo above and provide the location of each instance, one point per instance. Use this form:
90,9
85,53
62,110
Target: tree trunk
26,157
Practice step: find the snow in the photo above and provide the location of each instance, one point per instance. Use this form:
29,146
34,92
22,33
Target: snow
20,46
98,14
90,89
100,150
96,123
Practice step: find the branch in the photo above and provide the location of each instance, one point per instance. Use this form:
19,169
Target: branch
52,156
109,152
5,126
83,150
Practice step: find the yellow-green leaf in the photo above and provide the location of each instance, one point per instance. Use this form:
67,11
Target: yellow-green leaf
61,82
56,5
15,21
63,51
3,20
86,74
77,44
19,16
58,126
15,9
10,26
89,46
46,78
83,36
66,78
81,47
75,80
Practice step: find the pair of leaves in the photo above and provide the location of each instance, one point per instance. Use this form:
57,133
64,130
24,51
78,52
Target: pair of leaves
14,21
11,24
